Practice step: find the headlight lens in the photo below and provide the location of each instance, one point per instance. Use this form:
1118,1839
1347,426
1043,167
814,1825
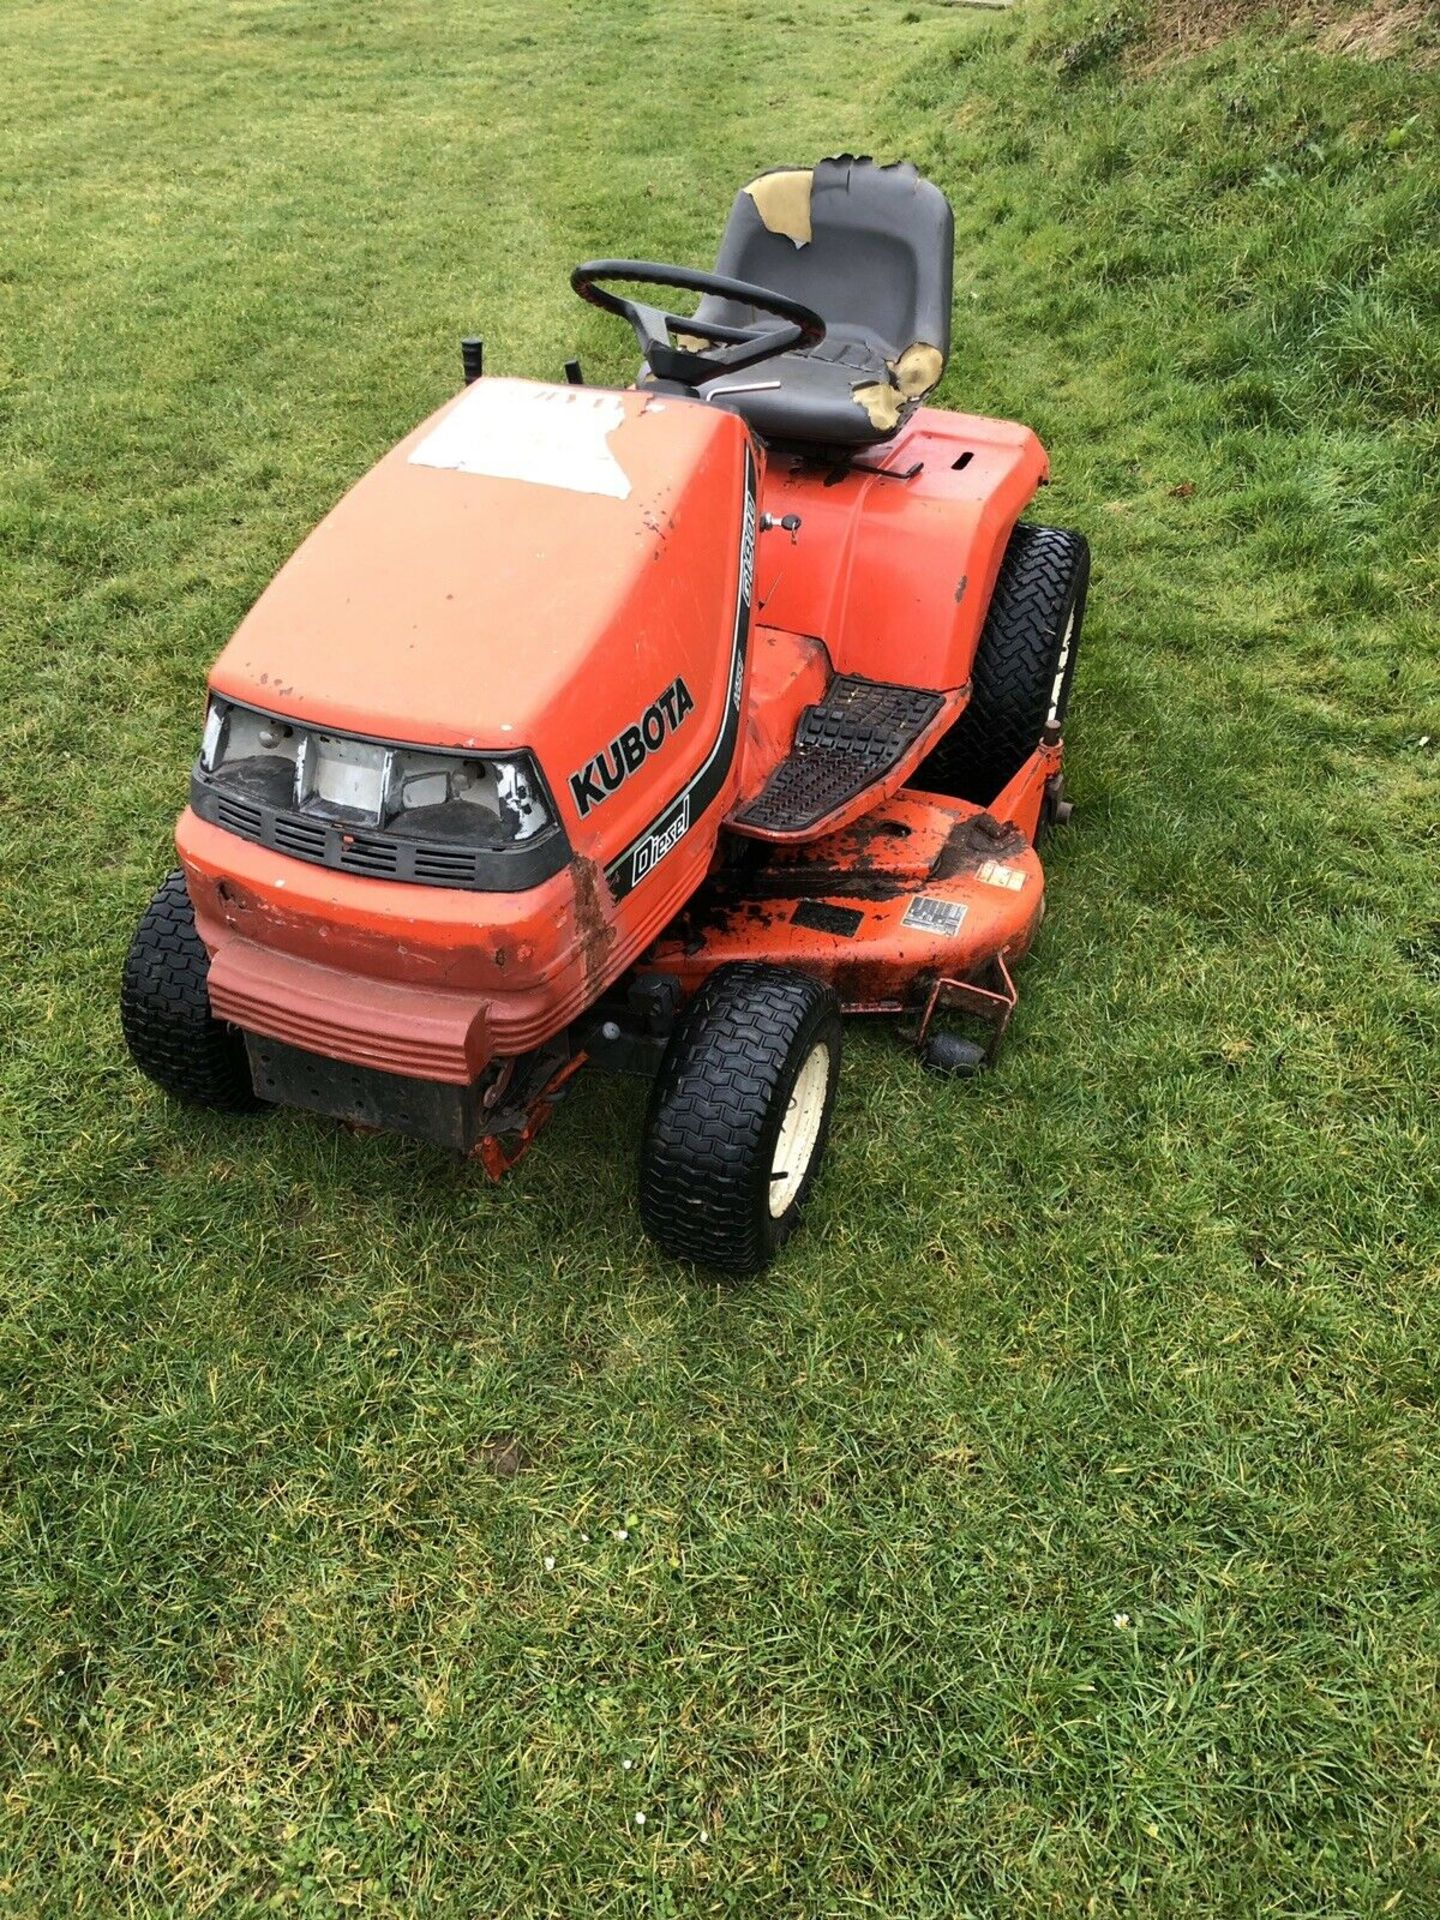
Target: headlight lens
409,792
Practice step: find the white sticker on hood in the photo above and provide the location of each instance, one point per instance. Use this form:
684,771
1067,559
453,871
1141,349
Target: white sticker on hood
513,430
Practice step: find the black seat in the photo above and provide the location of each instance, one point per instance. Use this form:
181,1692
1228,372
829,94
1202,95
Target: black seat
871,249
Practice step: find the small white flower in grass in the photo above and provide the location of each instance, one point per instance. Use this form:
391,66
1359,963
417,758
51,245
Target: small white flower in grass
1122,1619
639,1819
549,1563
622,1533
585,1539
627,1764
704,1836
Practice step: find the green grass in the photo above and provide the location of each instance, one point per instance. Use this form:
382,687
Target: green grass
1055,1530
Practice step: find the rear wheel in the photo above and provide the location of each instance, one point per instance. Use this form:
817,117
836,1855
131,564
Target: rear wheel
165,1009
739,1116
1024,665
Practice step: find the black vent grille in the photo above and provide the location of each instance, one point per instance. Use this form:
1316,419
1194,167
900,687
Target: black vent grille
303,838
381,856
369,854
447,865
238,816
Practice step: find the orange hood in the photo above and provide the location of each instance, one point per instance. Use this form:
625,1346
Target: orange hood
529,568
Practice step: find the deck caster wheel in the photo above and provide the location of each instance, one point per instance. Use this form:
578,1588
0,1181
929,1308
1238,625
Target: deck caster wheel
1055,809
165,1010
947,1053
739,1115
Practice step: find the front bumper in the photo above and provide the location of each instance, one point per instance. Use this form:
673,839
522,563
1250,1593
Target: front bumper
427,1033
406,980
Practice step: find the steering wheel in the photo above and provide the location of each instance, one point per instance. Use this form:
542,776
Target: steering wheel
735,347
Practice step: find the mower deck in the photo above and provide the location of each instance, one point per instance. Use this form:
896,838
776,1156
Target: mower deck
922,888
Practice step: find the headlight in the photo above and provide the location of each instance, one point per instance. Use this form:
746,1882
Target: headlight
409,793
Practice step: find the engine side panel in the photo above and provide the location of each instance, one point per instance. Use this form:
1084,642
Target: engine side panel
895,575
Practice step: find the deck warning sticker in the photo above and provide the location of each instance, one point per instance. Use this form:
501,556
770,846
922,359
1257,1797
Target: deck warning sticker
517,430
996,874
929,914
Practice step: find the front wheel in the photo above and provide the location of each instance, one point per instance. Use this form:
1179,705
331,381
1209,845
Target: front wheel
165,1009
739,1116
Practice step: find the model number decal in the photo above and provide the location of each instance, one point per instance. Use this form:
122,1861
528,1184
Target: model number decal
629,750
929,914
747,551
668,834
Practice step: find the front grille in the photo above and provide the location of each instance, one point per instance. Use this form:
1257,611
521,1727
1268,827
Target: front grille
380,856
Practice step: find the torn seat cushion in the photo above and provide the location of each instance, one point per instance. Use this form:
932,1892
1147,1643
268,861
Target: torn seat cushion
810,398
871,249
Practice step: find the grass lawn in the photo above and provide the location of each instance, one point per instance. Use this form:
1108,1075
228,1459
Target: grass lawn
1056,1530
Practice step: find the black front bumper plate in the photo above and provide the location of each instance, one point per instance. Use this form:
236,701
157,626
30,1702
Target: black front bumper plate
433,1110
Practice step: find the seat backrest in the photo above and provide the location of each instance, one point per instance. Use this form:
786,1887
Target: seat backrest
869,247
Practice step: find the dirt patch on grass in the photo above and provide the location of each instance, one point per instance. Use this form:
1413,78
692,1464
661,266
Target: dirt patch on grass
1178,27
1376,30
503,1454
1382,31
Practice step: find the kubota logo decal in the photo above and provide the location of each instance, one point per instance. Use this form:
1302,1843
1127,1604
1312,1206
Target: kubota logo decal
628,751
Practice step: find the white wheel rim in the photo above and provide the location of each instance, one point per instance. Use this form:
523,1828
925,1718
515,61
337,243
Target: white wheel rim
800,1129
1057,685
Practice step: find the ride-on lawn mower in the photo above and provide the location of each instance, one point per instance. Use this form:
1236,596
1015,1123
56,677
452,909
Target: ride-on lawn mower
652,727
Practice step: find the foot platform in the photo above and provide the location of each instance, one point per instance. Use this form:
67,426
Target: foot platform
844,745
